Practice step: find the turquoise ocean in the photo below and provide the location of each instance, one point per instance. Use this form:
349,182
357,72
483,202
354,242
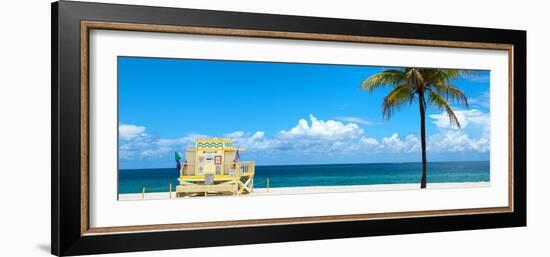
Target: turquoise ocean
158,180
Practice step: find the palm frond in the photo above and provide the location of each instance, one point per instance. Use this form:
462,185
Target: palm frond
451,93
441,103
396,98
415,78
445,75
385,78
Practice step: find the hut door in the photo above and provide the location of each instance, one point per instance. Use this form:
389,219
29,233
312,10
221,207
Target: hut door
218,163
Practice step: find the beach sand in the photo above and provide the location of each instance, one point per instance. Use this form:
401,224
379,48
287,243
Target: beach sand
317,190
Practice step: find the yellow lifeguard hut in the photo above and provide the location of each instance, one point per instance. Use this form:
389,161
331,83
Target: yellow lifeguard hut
213,167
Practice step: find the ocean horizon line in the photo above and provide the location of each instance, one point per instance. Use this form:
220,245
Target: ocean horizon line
322,175
326,164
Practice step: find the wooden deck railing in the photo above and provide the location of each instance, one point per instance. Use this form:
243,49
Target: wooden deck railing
228,168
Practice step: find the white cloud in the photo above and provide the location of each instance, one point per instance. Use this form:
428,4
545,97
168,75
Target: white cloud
326,130
484,100
465,117
451,139
256,141
128,132
306,137
186,141
392,144
316,136
457,141
234,134
354,120
142,145
369,141
134,147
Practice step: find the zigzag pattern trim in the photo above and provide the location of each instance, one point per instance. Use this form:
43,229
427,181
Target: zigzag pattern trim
210,145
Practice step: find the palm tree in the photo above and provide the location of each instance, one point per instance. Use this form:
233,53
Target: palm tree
430,86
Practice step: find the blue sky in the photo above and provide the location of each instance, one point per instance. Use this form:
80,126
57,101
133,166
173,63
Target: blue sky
284,113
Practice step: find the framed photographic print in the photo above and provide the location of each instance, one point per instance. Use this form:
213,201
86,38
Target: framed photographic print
177,128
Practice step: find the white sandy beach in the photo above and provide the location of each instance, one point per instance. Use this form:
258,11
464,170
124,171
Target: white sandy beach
316,190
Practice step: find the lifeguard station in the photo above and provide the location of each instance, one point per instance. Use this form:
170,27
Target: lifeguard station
213,167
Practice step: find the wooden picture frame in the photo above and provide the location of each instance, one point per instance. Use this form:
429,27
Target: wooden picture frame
71,24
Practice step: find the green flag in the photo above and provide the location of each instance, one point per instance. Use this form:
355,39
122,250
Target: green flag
178,164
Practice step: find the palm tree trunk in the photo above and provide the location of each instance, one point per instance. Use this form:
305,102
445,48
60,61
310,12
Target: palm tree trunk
422,105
